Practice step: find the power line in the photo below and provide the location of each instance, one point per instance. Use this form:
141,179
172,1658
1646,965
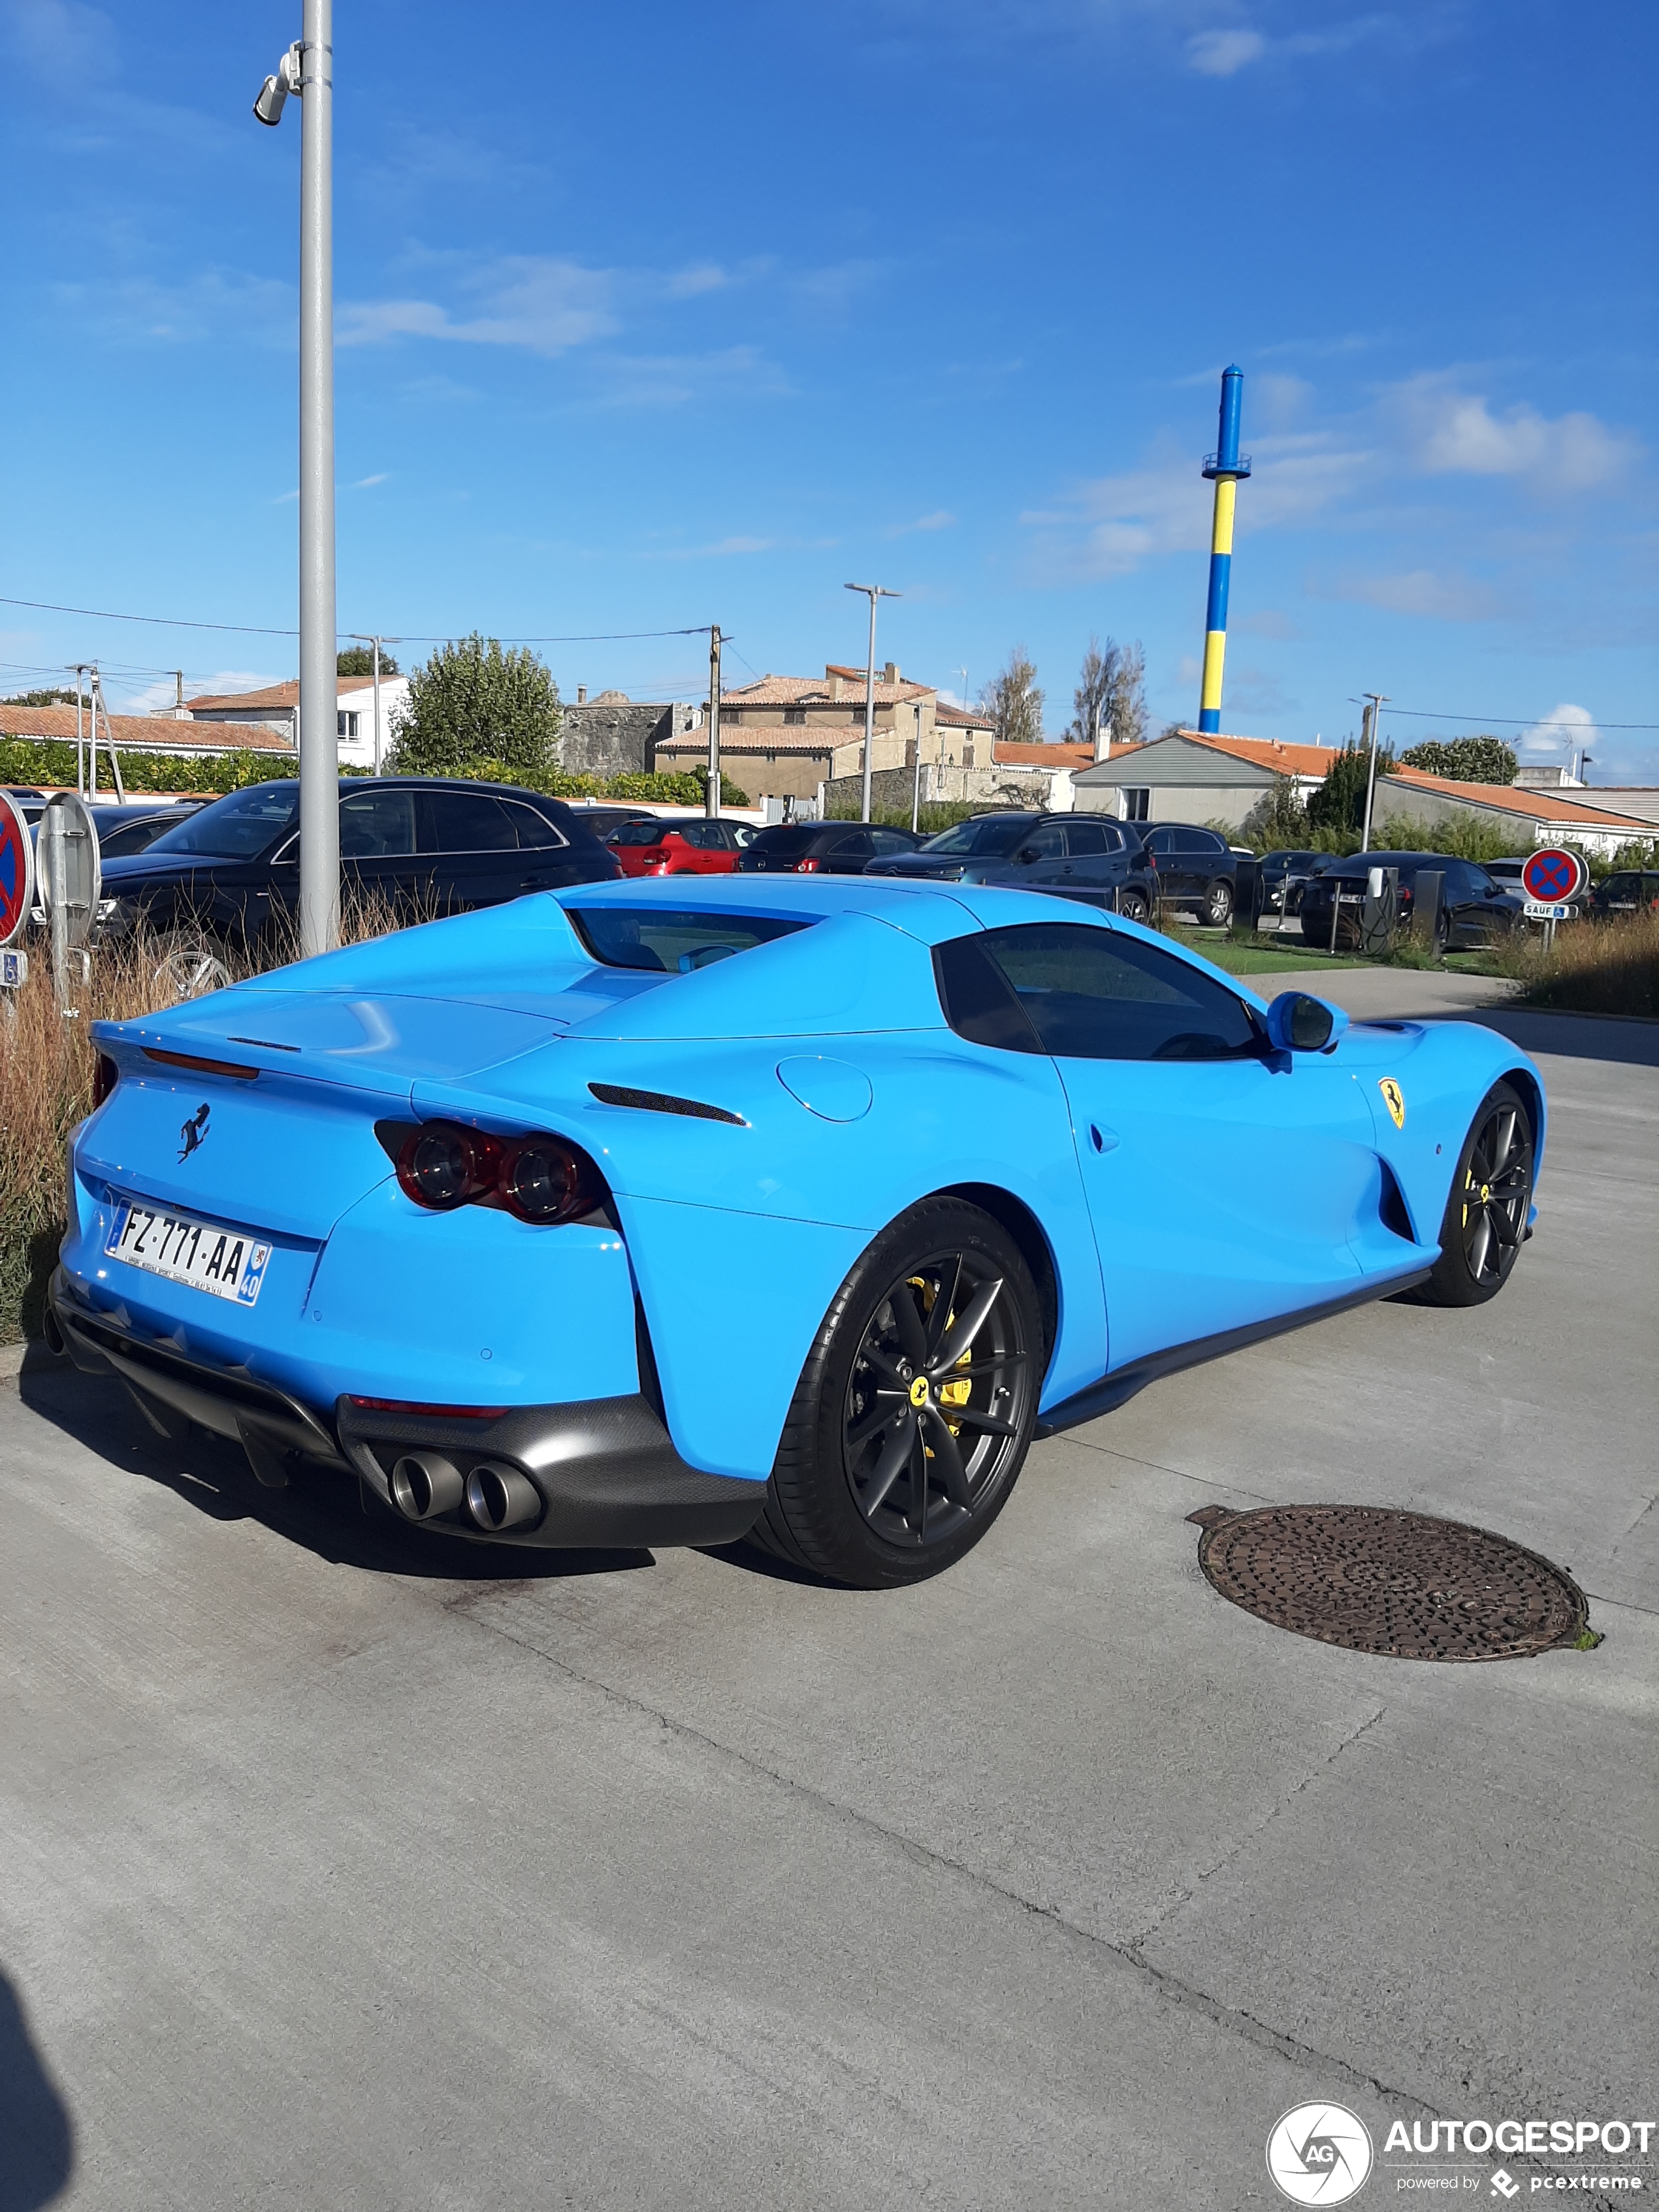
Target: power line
1520,721
257,629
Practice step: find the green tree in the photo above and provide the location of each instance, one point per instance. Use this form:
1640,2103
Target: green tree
1278,821
58,698
359,660
472,701
1465,760
1340,802
1014,703
1112,688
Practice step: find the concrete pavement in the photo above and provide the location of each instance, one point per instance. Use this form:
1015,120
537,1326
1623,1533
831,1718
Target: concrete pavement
340,1868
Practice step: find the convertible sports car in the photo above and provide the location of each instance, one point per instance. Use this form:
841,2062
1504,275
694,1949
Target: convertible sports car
674,1212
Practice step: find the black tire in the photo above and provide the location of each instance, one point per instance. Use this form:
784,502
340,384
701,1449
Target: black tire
1133,905
874,1486
1485,1219
1218,904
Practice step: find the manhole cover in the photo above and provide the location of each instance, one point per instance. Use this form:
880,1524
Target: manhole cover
1400,1584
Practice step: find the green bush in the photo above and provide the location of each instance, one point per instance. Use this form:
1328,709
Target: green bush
1466,837
51,761
935,814
1340,802
688,788
1465,760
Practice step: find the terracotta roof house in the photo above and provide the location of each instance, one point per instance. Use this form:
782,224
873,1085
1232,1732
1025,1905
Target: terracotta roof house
1537,817
278,706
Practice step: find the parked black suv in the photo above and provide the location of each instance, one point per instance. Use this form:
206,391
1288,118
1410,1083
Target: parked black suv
827,848
428,845
1081,856
1473,910
1630,890
1197,870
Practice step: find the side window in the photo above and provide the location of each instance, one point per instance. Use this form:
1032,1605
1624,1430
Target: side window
1042,844
376,824
535,831
469,822
1156,840
888,840
1085,840
1091,993
858,846
978,999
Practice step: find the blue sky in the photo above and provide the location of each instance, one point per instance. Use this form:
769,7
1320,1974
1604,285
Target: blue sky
651,316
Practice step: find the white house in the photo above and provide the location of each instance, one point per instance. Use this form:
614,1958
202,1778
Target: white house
278,708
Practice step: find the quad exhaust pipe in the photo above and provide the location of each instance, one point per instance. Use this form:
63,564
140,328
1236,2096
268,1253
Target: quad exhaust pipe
425,1484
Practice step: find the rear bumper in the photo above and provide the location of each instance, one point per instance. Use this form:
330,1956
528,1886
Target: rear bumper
604,1469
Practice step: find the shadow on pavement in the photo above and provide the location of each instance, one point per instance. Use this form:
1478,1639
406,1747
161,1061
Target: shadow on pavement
321,1511
1568,1037
36,2139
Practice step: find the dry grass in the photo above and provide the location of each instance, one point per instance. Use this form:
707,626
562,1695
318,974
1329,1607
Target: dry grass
1592,967
46,1087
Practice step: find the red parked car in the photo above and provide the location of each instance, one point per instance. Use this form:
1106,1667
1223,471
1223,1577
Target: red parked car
684,847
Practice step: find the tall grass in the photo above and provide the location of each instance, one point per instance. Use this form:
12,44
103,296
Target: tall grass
46,1063
1592,967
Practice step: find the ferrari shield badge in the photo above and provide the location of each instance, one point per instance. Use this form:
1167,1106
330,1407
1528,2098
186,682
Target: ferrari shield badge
1394,1099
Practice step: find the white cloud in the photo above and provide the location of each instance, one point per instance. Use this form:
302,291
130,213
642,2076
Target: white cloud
63,41
1449,432
1560,733
366,483
700,276
223,305
542,304
941,519
1433,593
1224,53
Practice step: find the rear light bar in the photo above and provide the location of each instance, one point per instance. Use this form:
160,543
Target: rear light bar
809,867
202,1067
546,1180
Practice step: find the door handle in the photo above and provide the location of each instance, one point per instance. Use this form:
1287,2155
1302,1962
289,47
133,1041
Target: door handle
1102,1139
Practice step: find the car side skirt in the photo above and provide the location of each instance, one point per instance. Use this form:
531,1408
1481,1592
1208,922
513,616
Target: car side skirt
1114,1389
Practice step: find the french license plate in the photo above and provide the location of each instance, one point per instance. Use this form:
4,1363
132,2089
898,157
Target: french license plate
228,1263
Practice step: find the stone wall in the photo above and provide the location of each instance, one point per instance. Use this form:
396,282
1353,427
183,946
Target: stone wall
616,737
891,788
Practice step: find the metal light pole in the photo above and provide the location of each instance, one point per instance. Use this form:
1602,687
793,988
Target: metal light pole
376,643
1374,715
712,795
308,69
915,787
876,592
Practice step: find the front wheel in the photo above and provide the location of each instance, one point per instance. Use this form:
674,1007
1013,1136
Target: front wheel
1218,904
1132,905
914,1410
1485,1217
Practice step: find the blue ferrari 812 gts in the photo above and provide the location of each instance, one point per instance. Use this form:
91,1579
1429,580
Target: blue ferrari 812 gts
787,1208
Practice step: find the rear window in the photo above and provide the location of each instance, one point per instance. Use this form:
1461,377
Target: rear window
785,837
637,833
991,834
669,943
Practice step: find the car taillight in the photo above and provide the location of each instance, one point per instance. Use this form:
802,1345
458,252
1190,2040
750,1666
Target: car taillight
1152,859
809,867
105,1077
544,1179
443,1164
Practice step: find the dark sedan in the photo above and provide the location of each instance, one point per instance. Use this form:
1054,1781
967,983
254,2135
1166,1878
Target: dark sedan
1081,856
426,845
1283,877
134,827
1473,910
822,848
1628,891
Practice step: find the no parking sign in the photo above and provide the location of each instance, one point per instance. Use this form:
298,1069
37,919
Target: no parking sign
16,869
1553,875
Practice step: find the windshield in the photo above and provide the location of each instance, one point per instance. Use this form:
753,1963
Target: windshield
237,828
667,942
990,834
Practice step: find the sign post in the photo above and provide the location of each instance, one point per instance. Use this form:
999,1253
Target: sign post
71,878
1552,879
16,896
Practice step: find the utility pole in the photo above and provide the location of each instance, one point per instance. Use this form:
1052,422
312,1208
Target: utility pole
79,764
712,796
915,787
308,69
875,591
1377,701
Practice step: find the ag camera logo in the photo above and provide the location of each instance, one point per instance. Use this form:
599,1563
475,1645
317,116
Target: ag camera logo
1319,2154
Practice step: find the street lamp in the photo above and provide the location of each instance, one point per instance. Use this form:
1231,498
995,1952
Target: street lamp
376,642
307,69
876,592
1377,701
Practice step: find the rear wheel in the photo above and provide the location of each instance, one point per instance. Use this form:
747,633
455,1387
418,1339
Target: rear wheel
1133,906
1218,904
914,1410
1485,1219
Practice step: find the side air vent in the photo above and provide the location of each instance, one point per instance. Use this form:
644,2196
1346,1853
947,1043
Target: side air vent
1393,1207
662,1102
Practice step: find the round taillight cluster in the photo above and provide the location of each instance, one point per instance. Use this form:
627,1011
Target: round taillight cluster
444,1165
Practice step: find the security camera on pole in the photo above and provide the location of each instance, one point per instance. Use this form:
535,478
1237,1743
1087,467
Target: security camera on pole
307,69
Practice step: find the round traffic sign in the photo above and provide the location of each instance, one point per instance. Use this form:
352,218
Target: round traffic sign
71,873
16,869
1553,874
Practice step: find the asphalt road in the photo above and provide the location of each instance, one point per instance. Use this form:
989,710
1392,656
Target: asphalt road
336,1871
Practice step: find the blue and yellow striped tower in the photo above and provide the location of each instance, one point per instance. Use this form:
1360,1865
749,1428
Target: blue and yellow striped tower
1225,466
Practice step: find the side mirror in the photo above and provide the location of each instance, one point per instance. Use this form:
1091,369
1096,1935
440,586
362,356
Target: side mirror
1026,855
1299,1023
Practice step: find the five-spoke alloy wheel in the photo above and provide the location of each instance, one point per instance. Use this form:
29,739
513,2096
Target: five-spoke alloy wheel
916,1408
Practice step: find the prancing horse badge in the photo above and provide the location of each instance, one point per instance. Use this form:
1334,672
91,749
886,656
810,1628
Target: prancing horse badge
1394,1099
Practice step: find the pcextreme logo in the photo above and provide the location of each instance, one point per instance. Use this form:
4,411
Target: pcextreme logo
1319,2154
